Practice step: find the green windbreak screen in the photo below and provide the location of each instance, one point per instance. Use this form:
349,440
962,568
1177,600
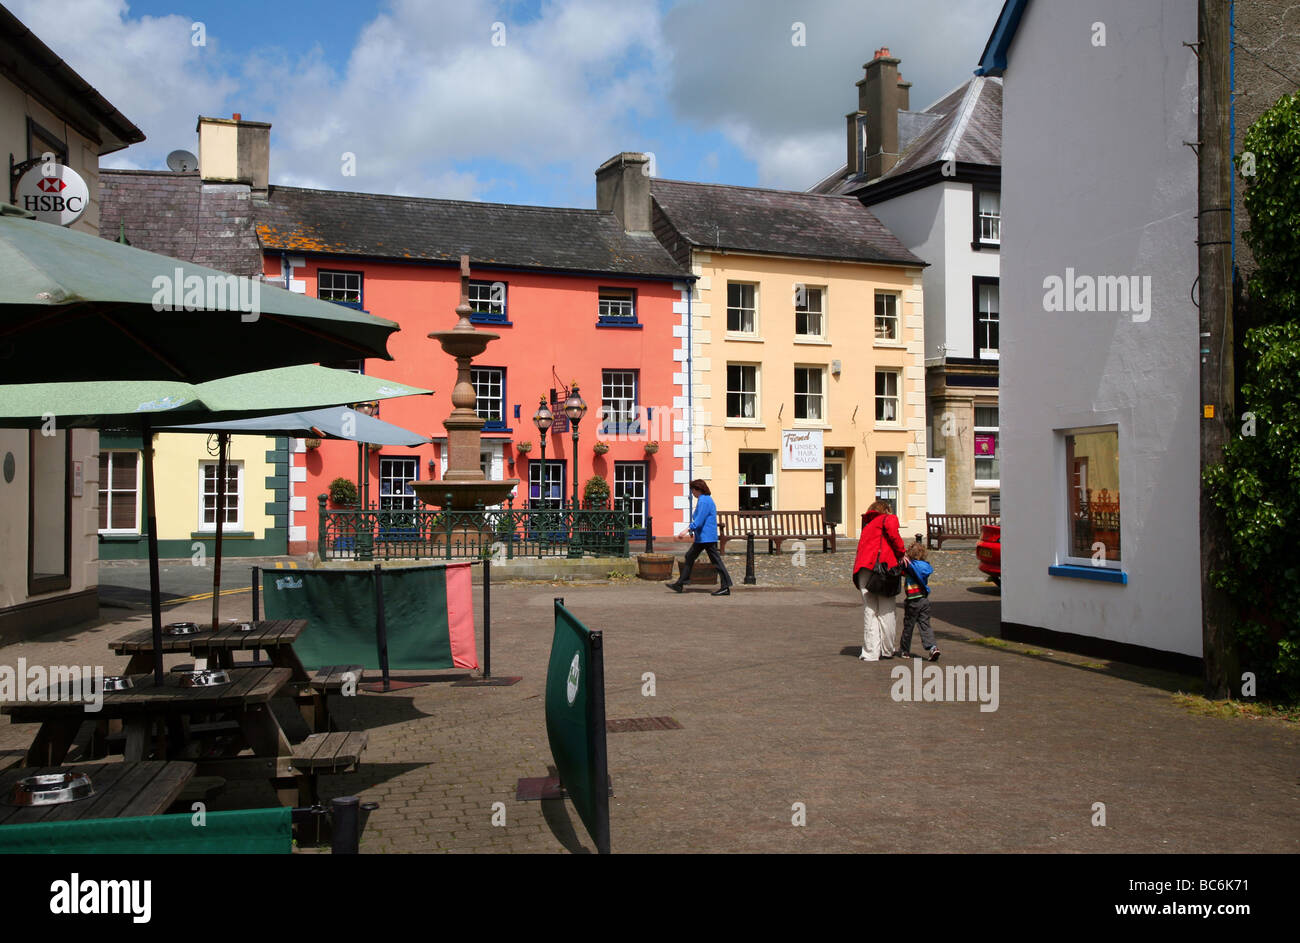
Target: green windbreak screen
248,832
342,624
569,718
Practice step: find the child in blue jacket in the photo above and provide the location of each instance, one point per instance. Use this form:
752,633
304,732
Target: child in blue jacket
916,574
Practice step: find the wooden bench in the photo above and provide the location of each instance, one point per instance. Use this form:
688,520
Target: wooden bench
330,680
325,753
776,527
941,527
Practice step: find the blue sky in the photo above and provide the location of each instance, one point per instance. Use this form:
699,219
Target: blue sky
435,99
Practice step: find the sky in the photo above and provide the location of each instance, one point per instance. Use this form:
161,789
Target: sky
513,101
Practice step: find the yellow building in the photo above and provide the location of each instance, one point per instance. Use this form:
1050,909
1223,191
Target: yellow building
801,362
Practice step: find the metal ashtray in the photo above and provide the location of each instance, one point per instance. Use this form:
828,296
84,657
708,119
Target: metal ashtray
181,628
51,789
244,627
208,678
117,683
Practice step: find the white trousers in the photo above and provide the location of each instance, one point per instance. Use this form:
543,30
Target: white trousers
877,624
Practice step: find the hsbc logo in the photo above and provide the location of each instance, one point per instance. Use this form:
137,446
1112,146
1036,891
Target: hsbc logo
51,185
53,193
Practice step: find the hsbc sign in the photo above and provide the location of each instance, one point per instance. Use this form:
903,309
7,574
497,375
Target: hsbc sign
54,192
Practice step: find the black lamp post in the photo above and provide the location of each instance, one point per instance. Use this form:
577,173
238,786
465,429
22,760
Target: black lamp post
543,419
575,408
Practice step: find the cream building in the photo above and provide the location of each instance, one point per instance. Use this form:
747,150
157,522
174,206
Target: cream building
49,483
801,355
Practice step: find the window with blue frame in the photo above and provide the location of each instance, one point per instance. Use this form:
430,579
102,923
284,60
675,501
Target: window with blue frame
488,299
342,288
549,493
490,396
618,396
616,306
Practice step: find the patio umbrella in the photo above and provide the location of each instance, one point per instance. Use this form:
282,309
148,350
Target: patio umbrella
76,307
139,403
321,423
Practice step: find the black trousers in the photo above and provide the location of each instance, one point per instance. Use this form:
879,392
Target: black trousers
714,557
916,613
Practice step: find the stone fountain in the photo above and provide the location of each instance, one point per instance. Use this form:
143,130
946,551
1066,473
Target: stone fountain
464,480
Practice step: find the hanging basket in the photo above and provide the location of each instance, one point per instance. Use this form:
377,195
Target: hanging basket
374,446
600,448
524,448
651,448
311,443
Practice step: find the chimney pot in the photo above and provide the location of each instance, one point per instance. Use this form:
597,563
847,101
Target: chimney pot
236,116
232,150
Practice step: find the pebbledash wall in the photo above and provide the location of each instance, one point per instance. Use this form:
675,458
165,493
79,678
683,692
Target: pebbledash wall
1097,179
552,332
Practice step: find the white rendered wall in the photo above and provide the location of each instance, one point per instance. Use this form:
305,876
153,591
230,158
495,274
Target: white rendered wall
1096,177
915,218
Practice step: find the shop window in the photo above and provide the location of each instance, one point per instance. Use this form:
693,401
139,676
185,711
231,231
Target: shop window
1092,495
757,481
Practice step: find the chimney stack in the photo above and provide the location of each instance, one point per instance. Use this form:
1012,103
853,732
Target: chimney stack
232,150
623,186
873,128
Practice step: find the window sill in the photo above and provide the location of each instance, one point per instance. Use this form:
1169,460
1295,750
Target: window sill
225,534
811,424
889,345
742,424
119,538
745,338
889,427
499,322
816,341
600,322
1100,574
981,246
987,485
500,429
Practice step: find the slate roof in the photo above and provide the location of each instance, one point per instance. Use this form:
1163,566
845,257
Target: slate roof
965,125
400,227
777,222
177,215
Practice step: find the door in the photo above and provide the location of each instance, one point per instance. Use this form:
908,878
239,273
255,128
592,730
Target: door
835,494
936,490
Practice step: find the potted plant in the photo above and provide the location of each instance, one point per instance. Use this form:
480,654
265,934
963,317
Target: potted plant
524,448
600,448
343,493
651,448
657,567
596,492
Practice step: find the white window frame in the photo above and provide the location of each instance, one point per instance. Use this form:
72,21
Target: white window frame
477,375
977,430
990,221
819,372
753,311
888,318
639,481
809,311
390,501
482,299
237,498
984,316
346,289
106,491
756,393
619,415
616,305
897,397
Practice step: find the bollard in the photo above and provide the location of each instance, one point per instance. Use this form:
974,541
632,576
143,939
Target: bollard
649,534
750,579
346,812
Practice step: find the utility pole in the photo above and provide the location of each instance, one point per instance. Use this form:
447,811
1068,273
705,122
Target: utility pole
1214,243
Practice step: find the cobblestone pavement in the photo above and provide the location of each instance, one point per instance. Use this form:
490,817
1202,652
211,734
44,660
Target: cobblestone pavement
777,715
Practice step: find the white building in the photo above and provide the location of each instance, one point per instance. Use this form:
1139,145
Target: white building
933,177
1099,364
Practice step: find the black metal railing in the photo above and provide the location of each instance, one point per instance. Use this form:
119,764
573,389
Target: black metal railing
482,533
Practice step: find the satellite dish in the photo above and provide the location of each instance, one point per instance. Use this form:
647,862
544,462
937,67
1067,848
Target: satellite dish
182,162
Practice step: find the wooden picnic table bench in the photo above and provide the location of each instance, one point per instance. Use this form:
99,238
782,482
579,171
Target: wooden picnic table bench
776,527
941,527
121,789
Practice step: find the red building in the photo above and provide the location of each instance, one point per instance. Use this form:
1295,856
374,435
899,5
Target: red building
575,295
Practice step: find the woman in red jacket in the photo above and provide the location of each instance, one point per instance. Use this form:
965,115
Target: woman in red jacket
879,540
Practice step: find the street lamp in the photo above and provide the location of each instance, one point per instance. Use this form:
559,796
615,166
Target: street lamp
575,408
543,420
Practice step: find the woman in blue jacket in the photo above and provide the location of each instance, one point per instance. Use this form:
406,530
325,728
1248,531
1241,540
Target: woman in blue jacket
704,530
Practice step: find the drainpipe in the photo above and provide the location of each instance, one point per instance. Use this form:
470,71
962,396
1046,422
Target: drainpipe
690,396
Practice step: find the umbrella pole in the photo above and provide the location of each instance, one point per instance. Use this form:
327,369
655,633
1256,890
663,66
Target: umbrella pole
151,522
223,449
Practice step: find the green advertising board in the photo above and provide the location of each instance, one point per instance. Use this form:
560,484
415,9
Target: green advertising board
575,720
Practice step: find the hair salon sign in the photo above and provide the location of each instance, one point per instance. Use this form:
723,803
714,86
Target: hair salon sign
801,448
